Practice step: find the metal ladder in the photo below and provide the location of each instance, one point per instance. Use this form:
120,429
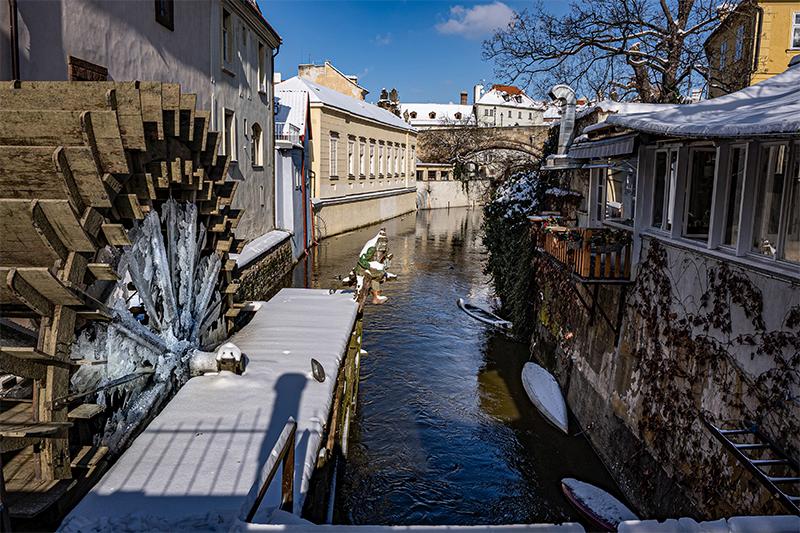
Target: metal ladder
747,440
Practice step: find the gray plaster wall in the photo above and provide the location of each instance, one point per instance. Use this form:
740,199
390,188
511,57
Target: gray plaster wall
446,194
289,198
124,37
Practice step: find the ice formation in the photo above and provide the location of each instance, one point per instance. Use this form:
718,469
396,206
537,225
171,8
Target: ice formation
175,284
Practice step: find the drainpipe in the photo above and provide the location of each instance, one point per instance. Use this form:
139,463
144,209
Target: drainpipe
757,39
566,130
12,15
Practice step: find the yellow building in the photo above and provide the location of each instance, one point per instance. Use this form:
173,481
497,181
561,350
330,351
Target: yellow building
754,41
362,157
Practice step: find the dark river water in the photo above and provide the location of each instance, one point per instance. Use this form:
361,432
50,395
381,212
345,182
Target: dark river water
445,433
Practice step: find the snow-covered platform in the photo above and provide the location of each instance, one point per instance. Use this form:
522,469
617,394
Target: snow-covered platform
199,458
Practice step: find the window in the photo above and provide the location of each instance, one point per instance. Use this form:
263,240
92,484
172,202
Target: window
371,159
431,175
791,250
380,160
396,161
403,160
723,53
256,151
227,38
598,178
419,175
229,145
262,68
444,175
351,158
362,155
458,115
432,114
519,115
739,48
486,112
509,113
413,114
165,13
766,223
733,204
796,30
664,189
333,170
700,189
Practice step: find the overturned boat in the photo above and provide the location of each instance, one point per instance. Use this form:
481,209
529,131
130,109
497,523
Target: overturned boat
602,509
544,392
484,315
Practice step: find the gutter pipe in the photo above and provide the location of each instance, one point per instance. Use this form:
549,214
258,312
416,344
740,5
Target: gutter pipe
13,16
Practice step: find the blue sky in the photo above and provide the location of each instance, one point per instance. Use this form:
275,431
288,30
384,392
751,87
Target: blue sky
429,51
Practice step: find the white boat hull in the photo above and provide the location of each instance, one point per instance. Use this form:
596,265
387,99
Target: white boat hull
544,392
483,315
599,507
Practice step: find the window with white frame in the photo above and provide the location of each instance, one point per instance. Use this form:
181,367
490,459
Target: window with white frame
403,159
796,30
333,170
256,150
733,202
767,215
666,168
262,67
791,245
362,159
229,145
738,49
372,159
723,54
351,158
597,177
700,191
380,159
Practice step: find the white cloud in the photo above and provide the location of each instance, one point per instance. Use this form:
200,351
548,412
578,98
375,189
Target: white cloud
477,21
383,39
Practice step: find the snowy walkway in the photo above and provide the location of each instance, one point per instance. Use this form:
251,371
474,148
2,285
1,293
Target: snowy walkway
196,462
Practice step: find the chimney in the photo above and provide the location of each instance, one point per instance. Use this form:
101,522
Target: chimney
566,96
477,92
463,97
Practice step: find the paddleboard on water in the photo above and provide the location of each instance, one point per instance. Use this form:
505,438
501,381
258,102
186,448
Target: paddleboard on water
484,315
599,507
544,392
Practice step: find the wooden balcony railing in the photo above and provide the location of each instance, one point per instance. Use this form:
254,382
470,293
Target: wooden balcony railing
593,254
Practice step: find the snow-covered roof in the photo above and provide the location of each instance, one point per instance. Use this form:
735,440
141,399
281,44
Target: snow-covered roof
444,114
770,107
328,97
505,96
292,107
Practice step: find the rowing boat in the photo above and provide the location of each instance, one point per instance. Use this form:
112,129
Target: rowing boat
544,392
602,509
484,315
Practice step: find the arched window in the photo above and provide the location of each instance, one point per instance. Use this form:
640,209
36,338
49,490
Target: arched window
432,114
413,114
256,146
458,115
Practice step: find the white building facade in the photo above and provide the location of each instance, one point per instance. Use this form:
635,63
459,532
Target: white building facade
506,105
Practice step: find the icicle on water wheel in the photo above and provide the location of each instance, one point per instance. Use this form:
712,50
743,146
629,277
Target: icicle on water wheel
115,229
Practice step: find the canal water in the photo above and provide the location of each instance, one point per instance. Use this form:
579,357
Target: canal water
445,433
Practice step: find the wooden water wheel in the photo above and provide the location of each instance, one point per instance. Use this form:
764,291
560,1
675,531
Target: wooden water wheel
80,162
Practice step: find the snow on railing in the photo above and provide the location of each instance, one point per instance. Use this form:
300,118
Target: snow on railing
285,131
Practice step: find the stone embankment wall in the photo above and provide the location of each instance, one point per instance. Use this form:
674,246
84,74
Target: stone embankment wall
262,279
700,337
446,194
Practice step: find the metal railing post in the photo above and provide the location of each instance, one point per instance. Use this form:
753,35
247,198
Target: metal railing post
283,453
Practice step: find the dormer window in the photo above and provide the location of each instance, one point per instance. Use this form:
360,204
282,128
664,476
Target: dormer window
458,115
413,114
432,114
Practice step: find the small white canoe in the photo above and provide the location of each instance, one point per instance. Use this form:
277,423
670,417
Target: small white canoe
599,507
484,315
544,392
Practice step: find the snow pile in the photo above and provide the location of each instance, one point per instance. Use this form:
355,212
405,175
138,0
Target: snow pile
560,192
517,198
175,289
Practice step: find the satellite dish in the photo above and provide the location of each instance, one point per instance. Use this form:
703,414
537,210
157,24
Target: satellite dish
317,371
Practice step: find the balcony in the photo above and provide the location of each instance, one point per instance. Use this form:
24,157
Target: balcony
593,255
286,133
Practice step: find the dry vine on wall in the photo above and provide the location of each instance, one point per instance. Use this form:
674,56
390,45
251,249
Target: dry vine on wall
686,366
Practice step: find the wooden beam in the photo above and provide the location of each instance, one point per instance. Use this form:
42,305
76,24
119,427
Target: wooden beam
116,235
103,271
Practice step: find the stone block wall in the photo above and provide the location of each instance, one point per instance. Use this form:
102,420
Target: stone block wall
699,337
262,279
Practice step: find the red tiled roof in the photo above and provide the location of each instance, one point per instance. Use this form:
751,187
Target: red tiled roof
510,89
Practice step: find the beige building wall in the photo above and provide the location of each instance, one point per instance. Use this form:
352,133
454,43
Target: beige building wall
332,123
329,76
339,218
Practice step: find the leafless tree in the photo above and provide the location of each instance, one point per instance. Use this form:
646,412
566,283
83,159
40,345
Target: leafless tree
649,50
